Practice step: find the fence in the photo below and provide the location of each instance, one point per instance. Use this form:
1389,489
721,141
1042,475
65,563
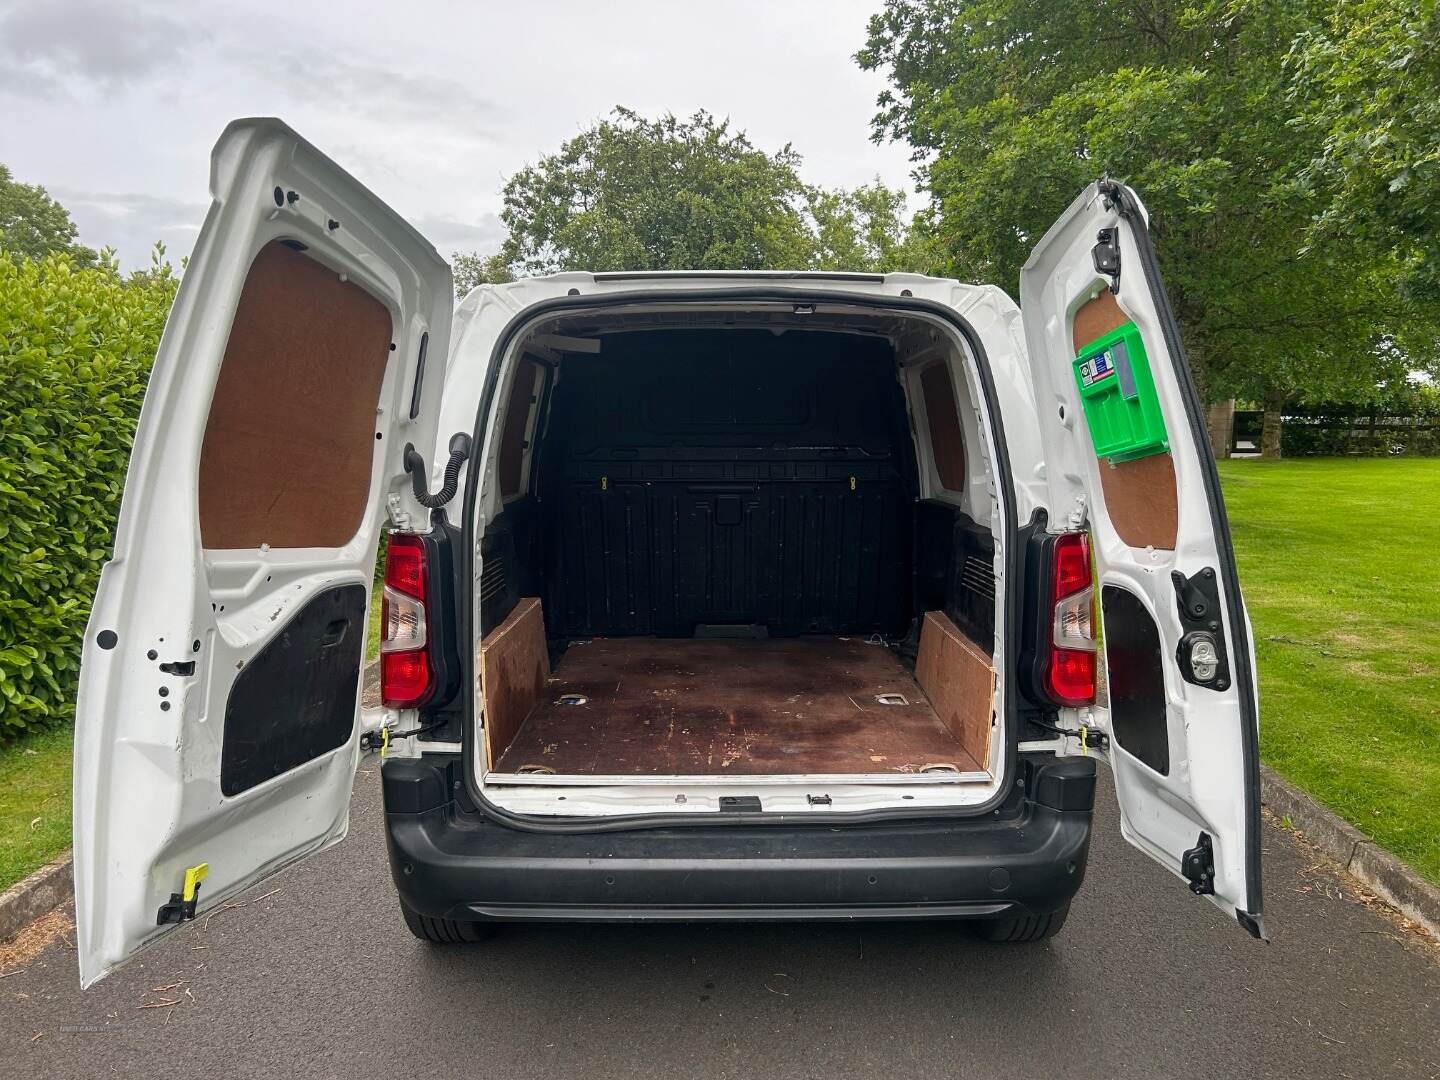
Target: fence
1312,432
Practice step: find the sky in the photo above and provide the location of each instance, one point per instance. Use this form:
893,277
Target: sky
113,107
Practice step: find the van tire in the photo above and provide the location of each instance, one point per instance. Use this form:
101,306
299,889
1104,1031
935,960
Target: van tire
1022,928
445,931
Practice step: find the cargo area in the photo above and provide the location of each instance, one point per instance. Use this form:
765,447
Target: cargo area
743,546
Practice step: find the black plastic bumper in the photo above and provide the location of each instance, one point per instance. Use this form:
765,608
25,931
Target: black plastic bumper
449,862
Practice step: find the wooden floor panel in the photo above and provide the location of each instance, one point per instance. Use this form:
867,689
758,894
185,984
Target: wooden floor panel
667,706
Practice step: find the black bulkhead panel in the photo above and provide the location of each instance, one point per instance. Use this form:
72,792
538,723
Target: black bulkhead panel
734,476
296,699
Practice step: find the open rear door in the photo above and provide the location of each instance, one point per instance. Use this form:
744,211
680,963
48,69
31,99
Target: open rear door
1128,457
217,723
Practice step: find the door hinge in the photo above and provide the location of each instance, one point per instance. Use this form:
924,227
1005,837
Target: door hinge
1106,255
1198,866
182,904
399,517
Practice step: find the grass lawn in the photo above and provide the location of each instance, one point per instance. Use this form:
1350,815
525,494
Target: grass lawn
34,802
1342,580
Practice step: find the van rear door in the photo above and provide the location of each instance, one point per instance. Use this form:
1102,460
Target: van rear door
217,722
1128,458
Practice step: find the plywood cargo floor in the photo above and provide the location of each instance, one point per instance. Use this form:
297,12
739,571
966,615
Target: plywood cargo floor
667,706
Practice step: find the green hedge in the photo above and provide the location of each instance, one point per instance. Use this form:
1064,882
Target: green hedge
75,351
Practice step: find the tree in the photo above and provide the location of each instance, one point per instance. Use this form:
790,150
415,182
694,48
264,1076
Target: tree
1013,105
866,229
471,269
1366,84
33,225
631,193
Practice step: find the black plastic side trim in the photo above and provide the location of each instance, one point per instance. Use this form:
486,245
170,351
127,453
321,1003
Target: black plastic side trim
1065,784
1125,203
419,375
442,619
657,293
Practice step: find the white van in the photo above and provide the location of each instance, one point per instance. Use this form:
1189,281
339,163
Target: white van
709,596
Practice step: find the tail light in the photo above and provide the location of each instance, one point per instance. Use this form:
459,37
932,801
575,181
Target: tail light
407,678
1070,672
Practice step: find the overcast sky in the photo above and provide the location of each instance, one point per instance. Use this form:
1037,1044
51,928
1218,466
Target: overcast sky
113,107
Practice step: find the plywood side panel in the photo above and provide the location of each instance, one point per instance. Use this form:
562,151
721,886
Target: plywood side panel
1142,500
1141,496
514,668
942,417
957,677
512,435
290,437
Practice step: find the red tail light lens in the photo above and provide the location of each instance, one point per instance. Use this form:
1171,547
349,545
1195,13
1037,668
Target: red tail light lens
1070,673
406,677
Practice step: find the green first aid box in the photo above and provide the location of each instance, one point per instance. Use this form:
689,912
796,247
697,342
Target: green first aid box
1118,393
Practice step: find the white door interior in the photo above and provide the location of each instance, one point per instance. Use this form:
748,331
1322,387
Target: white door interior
1128,458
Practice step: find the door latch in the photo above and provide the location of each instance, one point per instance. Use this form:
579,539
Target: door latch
1198,866
1201,653
741,804
1106,255
182,904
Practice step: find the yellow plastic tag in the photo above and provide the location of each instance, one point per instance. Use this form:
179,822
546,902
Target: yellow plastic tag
384,741
193,877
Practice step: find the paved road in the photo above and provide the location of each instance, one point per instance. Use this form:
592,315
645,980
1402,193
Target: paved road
1146,981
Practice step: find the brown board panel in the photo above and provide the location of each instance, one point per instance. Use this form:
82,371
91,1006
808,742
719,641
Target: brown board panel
514,667
512,435
942,417
957,677
1141,496
698,707
290,438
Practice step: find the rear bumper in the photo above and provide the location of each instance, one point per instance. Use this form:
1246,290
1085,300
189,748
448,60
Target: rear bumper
453,864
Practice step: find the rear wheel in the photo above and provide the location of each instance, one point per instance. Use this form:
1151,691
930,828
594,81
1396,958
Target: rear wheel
1021,928
445,931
